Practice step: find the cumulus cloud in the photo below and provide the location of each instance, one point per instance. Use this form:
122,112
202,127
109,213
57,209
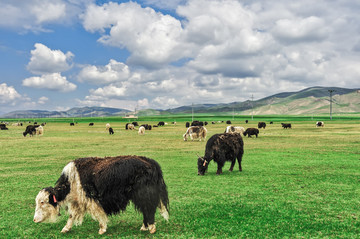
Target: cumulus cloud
294,30
8,94
35,15
110,91
44,60
152,37
54,82
112,72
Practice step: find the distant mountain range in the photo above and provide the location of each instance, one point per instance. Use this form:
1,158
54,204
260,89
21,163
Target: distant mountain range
74,112
314,100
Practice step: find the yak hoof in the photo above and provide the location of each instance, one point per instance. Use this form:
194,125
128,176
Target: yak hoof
102,231
65,230
152,228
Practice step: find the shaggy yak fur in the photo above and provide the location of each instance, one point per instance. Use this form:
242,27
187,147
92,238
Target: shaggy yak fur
285,126
30,129
261,125
222,148
251,131
105,186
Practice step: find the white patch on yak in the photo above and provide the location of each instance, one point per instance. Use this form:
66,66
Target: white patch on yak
44,211
76,202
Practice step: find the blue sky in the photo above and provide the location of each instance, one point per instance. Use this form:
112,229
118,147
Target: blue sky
55,55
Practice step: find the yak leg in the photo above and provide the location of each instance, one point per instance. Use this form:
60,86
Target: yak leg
147,199
219,169
98,213
232,165
68,225
76,214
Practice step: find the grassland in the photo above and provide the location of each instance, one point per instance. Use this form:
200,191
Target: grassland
297,183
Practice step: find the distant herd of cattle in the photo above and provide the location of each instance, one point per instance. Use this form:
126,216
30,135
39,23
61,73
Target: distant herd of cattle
105,186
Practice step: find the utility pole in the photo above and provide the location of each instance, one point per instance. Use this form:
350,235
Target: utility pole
252,107
331,91
192,112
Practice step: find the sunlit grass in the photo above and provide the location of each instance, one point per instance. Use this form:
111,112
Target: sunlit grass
300,182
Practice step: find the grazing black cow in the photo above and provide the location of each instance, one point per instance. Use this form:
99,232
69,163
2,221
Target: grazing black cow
228,122
261,125
246,121
285,126
3,127
72,124
91,124
102,187
111,131
197,123
135,124
222,148
251,131
187,125
161,123
146,126
30,129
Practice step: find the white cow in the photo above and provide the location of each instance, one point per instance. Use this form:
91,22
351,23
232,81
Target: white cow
235,129
141,130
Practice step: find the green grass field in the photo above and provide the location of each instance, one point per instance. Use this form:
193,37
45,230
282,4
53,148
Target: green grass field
296,183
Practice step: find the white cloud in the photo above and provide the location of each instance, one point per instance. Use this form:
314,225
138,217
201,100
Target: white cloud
110,91
8,94
42,100
35,15
48,11
54,82
152,37
165,102
44,60
294,30
112,72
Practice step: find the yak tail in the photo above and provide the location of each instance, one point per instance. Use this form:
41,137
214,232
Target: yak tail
164,201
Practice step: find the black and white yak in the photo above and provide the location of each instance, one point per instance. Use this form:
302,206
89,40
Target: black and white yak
222,148
234,129
320,124
31,130
195,132
102,187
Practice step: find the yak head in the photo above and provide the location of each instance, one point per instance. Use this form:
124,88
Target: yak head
202,165
47,208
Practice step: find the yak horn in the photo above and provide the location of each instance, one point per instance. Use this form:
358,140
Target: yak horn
199,156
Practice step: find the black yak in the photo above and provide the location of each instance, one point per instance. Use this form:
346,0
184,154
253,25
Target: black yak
251,131
222,148
111,131
102,187
261,125
285,126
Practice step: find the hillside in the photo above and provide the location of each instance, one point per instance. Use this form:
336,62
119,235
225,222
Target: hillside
314,100
74,112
